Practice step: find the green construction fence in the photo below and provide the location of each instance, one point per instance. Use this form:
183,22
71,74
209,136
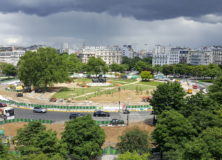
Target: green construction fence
25,120
139,106
103,122
49,106
110,151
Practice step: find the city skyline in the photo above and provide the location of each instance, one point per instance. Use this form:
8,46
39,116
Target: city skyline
97,22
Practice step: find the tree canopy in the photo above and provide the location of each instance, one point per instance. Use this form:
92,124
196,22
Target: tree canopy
96,66
134,140
35,139
72,62
8,69
83,138
133,156
118,67
42,68
141,66
172,131
215,90
168,96
146,75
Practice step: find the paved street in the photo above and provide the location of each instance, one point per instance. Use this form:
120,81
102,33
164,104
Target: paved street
63,116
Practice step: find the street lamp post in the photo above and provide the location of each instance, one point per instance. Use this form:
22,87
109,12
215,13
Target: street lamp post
119,98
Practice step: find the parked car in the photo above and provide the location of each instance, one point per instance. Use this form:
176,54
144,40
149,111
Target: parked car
146,98
75,115
195,86
39,90
19,94
39,110
126,111
117,121
189,91
3,105
27,89
52,99
101,114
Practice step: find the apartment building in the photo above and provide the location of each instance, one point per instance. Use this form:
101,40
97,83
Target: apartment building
200,57
160,55
109,54
217,55
12,56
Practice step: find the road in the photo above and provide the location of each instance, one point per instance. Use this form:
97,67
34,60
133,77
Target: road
200,84
64,116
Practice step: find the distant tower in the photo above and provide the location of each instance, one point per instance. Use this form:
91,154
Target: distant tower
65,48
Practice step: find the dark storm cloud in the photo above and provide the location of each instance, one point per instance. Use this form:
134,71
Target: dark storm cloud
139,9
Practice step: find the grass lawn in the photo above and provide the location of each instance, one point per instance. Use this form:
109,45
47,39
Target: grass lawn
121,81
87,80
207,80
73,92
151,83
134,87
137,87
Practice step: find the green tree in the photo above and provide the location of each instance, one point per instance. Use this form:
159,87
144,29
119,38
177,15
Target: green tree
180,69
127,61
197,103
3,150
213,70
73,63
134,140
215,90
8,69
207,146
133,156
118,67
96,66
173,130
168,96
84,138
141,66
203,119
42,68
167,69
40,156
131,62
157,68
34,139
148,60
198,71
196,149
146,75
213,140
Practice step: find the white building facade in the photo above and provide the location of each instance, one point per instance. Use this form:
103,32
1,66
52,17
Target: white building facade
217,55
108,54
200,57
11,57
161,55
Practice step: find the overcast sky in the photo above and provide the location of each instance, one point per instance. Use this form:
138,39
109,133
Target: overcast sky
142,23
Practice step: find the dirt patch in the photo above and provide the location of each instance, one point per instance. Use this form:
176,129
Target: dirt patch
112,133
125,96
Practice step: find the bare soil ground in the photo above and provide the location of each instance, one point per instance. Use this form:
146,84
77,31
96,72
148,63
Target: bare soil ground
112,133
125,96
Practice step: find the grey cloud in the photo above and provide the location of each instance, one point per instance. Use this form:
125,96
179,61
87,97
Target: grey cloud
139,9
103,29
